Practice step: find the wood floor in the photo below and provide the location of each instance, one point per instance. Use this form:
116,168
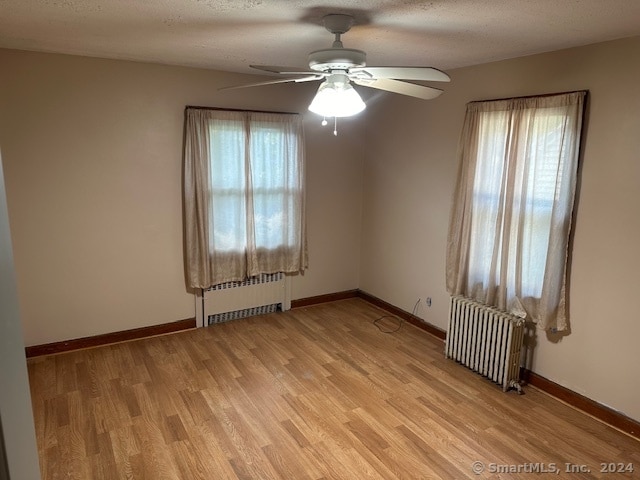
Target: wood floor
314,393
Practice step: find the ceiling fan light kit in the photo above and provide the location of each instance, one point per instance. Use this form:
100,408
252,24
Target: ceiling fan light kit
337,98
339,67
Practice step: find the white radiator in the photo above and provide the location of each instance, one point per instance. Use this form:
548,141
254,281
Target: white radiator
486,340
264,293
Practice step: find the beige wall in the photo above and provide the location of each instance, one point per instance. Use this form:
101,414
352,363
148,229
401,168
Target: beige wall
410,169
93,153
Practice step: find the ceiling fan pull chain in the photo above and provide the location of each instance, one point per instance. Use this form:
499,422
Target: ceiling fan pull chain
335,126
324,121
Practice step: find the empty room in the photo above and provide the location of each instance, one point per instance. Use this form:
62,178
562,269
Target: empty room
333,240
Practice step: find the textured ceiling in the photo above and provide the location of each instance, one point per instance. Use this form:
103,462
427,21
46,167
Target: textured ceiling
231,34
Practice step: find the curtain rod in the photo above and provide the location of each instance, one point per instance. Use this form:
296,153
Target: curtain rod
586,92
239,110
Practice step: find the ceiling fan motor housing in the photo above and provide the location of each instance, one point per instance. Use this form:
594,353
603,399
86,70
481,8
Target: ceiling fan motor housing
336,59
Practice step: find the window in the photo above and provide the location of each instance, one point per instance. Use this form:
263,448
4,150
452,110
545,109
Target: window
244,195
511,219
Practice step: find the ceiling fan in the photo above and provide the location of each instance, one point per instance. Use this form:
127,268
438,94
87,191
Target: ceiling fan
339,67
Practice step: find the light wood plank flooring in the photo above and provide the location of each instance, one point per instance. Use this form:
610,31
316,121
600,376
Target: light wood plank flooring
313,393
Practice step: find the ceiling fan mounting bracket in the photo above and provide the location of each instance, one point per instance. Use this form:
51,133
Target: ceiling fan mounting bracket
338,23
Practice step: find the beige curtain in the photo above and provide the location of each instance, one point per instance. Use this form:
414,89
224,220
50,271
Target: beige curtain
243,195
509,230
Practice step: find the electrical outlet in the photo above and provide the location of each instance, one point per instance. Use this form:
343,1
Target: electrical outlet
428,301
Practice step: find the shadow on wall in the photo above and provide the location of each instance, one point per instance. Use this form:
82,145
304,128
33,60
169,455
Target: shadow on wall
531,341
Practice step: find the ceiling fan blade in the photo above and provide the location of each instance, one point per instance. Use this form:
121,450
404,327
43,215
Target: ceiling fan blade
403,88
280,69
403,73
272,82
